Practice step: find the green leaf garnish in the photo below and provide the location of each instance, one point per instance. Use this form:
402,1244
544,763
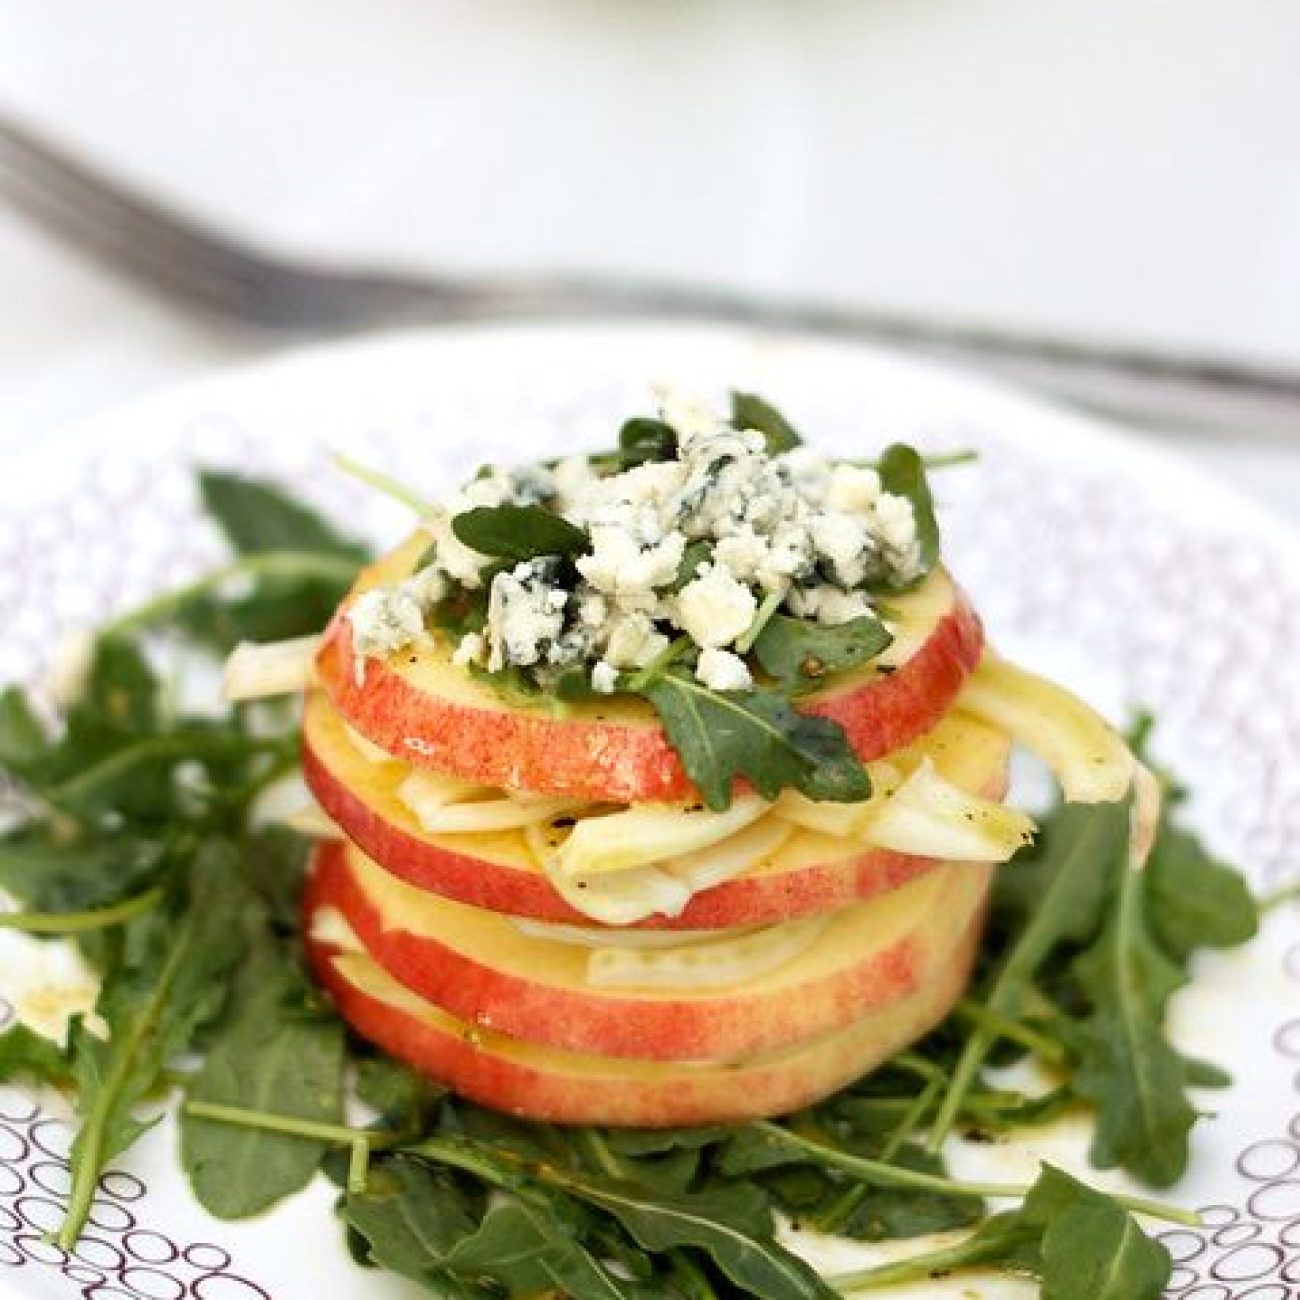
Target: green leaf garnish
902,473
751,412
276,1051
642,440
519,532
258,517
801,654
756,735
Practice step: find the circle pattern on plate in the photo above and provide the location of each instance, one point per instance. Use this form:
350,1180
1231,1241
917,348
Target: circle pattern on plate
1195,613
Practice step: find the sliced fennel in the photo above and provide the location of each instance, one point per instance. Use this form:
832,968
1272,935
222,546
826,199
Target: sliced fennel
367,748
583,936
930,817
616,898
842,820
330,926
258,672
649,833
1086,754
731,959
312,820
742,852
444,805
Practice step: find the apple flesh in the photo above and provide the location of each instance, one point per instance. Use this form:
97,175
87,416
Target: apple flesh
548,1084
812,873
480,968
420,706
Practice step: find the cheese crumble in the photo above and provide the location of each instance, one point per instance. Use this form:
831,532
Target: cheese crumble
689,546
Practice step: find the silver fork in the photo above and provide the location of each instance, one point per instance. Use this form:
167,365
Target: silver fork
241,284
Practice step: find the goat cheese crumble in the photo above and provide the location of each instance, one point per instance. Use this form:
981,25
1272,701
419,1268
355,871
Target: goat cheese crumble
691,545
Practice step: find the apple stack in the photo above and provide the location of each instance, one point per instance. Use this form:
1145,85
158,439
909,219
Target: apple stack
533,906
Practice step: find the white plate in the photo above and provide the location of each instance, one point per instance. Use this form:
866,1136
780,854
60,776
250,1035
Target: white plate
1119,570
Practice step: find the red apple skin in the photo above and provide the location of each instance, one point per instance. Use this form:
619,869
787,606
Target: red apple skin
500,885
609,755
730,1023
562,1088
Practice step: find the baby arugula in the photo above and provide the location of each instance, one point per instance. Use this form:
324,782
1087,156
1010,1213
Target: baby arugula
135,833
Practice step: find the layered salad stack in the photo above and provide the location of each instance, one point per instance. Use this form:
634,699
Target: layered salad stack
665,785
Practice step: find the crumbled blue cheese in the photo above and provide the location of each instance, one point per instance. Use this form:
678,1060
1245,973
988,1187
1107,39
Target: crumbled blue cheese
604,677
632,642
794,526
828,604
387,619
714,608
720,670
525,613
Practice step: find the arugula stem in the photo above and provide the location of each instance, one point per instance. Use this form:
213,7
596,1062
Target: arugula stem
916,1064
883,1174
947,459
385,483
1012,1030
887,1175
642,678
93,918
263,564
844,1205
915,1268
316,1130
771,603
91,1141
359,1167
1279,897
597,1149
911,1119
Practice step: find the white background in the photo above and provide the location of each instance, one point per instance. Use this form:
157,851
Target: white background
1120,169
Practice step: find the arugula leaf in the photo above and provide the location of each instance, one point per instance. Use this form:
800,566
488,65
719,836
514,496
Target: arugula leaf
274,1053
170,982
732,1224
751,412
902,473
403,1097
519,532
1191,899
411,1216
642,440
48,872
1080,1243
1055,894
256,516
25,1054
314,566
756,735
1127,1068
122,687
800,654
274,609
517,1246
22,736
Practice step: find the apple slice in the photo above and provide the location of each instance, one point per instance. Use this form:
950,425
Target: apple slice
544,1083
420,706
479,967
810,872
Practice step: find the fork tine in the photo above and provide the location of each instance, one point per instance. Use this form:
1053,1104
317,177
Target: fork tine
124,250
85,189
